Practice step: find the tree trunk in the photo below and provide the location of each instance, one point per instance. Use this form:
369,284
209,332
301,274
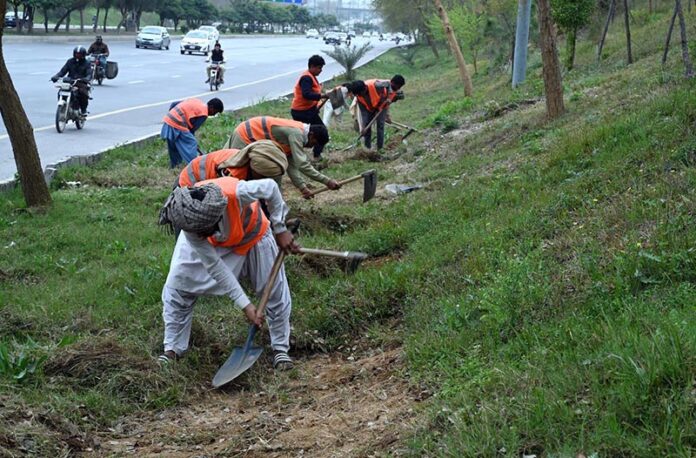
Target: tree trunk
454,45
96,20
61,19
519,63
26,155
650,6
571,39
627,25
669,35
684,42
610,18
45,13
82,20
106,16
553,85
67,22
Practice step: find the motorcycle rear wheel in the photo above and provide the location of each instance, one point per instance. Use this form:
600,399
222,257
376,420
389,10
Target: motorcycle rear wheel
61,121
100,79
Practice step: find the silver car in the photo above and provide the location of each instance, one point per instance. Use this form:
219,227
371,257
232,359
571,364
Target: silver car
153,36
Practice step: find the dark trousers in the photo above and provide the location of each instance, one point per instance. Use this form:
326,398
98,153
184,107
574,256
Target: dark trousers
367,116
82,96
309,117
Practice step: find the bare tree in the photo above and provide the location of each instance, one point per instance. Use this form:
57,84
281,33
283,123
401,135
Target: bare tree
19,129
454,45
627,25
684,41
553,84
610,19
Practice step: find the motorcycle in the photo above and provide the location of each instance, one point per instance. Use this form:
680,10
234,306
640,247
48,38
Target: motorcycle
68,108
98,70
215,75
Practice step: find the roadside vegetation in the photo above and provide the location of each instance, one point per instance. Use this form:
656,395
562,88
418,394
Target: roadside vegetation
542,283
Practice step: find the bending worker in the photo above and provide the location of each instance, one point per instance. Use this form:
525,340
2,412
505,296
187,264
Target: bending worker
180,125
375,103
292,137
261,159
226,235
308,93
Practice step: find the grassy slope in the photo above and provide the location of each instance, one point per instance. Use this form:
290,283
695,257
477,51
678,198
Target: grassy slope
545,275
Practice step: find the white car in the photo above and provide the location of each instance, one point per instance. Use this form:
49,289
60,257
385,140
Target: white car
342,37
312,33
366,35
211,30
198,41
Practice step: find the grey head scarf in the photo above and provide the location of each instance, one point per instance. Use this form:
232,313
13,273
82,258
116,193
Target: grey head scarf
196,209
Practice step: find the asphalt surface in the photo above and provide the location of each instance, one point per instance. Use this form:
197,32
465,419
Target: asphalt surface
132,105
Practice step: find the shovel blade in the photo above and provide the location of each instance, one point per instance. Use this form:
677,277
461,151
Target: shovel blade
370,185
239,361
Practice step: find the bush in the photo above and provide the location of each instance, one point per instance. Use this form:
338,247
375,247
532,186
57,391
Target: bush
184,29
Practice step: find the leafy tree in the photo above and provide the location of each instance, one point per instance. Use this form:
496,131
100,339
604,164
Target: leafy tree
348,57
170,9
468,26
571,16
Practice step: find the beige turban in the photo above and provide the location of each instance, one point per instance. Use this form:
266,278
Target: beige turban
264,157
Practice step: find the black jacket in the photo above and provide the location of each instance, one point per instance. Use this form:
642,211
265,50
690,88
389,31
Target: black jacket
97,48
75,69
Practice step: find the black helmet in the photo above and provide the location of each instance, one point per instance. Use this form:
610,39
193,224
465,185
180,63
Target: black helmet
79,51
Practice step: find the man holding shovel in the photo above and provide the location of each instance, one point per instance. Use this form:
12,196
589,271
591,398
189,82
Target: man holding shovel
374,103
226,235
292,137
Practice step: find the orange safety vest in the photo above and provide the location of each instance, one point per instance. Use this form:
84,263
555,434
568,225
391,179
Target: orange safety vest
298,101
206,168
375,99
180,116
247,225
260,127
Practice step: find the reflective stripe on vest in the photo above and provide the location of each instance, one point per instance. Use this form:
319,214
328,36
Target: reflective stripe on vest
206,168
298,101
261,127
247,225
180,116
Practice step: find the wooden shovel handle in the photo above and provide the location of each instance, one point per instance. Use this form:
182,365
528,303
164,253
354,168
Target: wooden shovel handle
336,254
277,264
346,181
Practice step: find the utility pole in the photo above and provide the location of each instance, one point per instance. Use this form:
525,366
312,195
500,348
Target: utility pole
519,66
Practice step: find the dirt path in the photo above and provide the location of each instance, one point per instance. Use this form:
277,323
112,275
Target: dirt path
330,406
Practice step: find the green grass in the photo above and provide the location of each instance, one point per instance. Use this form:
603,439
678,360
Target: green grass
545,277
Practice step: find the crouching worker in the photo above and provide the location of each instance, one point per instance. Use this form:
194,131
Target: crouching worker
225,235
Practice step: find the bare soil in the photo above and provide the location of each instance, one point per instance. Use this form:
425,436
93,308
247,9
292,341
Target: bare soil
335,405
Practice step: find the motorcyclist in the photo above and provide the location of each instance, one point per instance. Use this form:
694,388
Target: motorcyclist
77,68
99,48
216,57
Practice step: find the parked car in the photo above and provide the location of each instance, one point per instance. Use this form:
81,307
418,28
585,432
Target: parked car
342,37
366,35
153,36
351,34
375,34
332,38
312,33
211,30
11,20
198,41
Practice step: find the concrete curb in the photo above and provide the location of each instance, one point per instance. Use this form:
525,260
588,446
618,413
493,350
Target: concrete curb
51,169
42,37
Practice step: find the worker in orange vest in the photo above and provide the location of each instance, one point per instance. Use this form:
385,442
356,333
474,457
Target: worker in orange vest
292,137
180,125
261,159
375,102
308,92
226,235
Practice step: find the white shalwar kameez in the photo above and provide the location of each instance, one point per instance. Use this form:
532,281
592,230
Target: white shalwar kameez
199,268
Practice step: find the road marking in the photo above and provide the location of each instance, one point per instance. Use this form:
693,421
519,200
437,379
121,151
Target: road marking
137,65
168,102
176,76
39,73
136,82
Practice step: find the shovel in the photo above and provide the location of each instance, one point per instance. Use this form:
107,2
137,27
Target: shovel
354,258
242,358
409,130
364,131
369,185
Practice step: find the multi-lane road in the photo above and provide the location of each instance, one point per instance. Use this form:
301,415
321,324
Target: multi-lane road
132,105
